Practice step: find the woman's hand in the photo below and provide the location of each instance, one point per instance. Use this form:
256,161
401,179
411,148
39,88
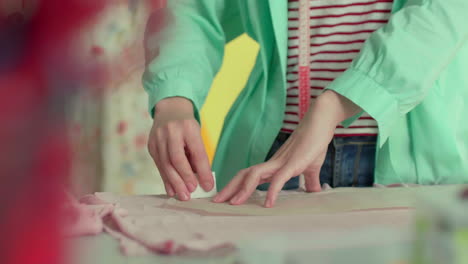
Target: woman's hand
176,146
303,153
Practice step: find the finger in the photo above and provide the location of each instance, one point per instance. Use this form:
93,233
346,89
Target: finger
276,185
312,180
231,188
169,190
178,184
251,181
167,185
179,160
153,150
171,174
199,158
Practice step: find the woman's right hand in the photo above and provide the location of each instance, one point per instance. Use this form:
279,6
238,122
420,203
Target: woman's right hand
176,146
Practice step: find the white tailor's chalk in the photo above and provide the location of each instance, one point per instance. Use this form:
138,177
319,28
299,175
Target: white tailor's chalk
200,193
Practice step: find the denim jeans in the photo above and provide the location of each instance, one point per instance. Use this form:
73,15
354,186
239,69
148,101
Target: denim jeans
350,162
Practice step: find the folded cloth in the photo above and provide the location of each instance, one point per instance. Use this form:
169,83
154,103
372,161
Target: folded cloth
86,216
150,224
148,229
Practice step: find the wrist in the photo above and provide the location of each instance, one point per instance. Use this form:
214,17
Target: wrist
337,106
174,104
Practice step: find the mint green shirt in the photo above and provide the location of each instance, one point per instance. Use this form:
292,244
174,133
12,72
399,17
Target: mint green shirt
411,76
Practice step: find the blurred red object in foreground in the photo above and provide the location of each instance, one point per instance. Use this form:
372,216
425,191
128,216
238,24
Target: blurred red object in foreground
37,74
39,71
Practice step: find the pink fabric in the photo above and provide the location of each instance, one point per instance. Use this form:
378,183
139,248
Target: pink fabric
86,216
146,224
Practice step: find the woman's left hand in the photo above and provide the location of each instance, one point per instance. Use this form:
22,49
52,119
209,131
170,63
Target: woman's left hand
303,153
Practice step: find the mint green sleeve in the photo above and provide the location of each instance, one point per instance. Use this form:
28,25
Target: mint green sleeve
401,61
190,49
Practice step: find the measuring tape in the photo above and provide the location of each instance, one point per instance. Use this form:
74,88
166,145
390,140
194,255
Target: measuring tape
304,57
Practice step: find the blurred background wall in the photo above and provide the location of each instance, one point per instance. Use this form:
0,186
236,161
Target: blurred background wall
109,124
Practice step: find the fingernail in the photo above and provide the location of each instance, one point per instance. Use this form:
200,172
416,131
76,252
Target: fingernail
268,203
234,200
216,199
170,192
183,197
191,187
207,185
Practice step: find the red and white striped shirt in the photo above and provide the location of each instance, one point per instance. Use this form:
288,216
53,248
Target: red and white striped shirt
338,31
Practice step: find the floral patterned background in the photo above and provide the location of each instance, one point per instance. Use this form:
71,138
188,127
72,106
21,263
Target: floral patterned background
109,120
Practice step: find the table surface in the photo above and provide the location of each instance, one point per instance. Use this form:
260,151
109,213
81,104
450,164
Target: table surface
105,249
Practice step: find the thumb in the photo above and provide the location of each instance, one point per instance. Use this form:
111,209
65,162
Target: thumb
312,180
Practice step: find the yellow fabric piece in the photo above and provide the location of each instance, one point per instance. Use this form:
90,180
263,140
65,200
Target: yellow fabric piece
238,62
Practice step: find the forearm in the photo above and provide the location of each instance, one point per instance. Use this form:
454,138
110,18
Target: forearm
339,107
326,113
189,50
